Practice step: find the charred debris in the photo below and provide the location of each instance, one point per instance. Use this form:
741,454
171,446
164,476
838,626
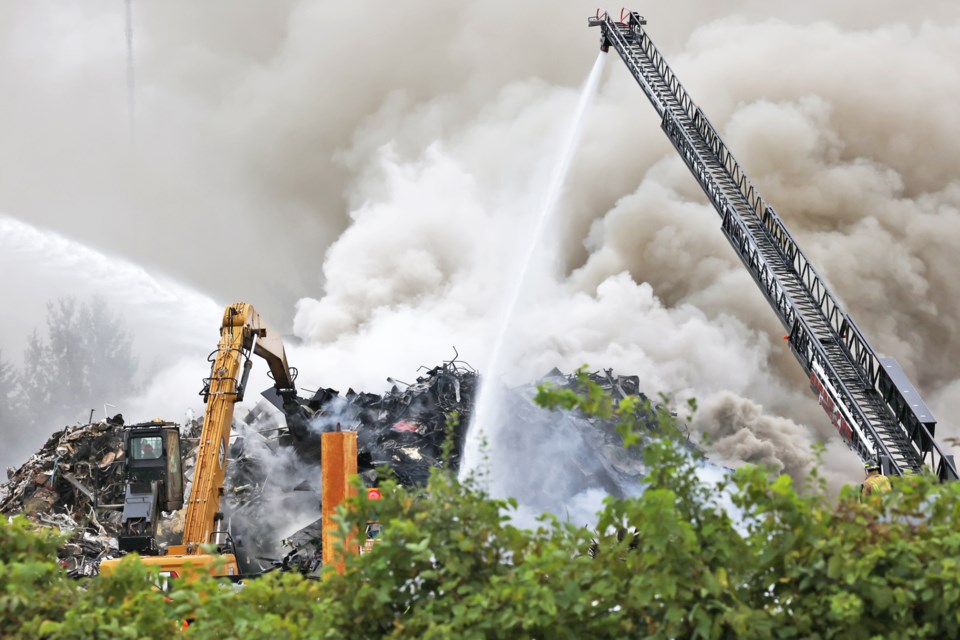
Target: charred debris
75,482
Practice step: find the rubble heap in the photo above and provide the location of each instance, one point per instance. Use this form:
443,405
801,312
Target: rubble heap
585,452
582,453
404,428
75,481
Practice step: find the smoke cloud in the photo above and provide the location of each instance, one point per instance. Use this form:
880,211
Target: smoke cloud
739,431
367,180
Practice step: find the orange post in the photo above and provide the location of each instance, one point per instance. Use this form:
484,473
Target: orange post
338,460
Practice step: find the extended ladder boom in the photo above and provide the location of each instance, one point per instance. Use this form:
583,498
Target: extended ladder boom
869,399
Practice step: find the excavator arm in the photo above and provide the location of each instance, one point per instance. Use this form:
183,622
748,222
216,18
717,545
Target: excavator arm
243,333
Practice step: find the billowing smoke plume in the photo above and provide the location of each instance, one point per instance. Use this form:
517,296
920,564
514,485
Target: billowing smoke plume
876,213
381,165
738,431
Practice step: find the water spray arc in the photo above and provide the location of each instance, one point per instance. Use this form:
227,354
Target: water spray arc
481,424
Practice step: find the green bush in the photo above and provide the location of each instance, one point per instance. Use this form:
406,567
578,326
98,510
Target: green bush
32,585
671,563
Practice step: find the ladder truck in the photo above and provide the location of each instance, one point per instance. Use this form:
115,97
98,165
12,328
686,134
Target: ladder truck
869,399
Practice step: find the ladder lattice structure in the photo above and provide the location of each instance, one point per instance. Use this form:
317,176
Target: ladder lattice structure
869,399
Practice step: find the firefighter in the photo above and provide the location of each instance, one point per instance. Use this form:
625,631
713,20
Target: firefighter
373,524
875,483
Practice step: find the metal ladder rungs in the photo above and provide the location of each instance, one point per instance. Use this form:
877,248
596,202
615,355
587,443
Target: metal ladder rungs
769,257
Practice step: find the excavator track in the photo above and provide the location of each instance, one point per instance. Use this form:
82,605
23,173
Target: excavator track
869,399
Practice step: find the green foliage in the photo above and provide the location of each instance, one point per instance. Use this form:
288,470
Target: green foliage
31,582
590,398
671,563
127,604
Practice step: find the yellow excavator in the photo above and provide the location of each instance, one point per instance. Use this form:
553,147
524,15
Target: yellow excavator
154,473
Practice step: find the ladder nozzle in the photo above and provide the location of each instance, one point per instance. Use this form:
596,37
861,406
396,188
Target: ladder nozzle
597,21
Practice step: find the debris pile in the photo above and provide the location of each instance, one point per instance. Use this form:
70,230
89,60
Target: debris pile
405,428
581,453
584,452
76,481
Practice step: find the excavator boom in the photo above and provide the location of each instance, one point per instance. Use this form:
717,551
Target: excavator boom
242,334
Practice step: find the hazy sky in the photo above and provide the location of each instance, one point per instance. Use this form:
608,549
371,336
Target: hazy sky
364,173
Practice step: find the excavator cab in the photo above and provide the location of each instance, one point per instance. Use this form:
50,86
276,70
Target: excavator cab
154,482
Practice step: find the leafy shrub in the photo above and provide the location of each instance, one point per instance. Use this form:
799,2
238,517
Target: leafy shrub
672,563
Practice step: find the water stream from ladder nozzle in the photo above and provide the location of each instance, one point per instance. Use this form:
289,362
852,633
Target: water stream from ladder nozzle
481,425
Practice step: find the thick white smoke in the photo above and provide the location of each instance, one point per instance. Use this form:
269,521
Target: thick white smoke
172,328
382,166
878,217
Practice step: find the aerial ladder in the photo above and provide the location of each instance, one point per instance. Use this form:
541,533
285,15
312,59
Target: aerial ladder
869,399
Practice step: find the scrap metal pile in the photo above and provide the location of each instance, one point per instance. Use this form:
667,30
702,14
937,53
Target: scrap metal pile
405,428
75,481
579,453
78,470
584,452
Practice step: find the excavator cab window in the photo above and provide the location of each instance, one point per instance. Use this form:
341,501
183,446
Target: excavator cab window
146,448
174,471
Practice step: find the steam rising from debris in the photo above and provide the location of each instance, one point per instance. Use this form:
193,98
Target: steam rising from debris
416,169
273,491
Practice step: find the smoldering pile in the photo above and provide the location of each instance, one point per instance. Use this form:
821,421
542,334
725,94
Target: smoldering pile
583,453
580,453
75,482
410,429
404,429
